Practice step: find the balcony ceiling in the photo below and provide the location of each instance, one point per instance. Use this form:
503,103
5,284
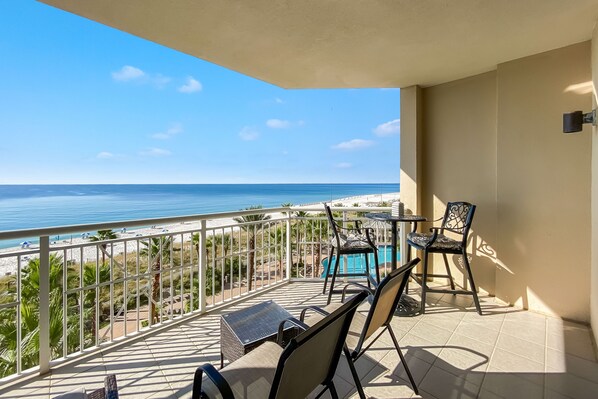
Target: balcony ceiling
350,43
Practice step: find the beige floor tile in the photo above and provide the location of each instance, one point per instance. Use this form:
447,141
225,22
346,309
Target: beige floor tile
482,321
431,332
485,394
550,394
571,385
477,331
475,347
388,387
37,390
90,379
463,364
424,395
529,331
561,362
443,384
364,365
510,385
418,367
572,340
422,348
448,320
523,348
507,361
525,317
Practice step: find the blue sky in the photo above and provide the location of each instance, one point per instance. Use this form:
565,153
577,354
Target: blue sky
84,103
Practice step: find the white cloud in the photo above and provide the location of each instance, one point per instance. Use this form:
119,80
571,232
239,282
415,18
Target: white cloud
278,124
354,144
388,129
132,74
105,155
279,100
343,165
155,152
249,134
191,86
128,73
173,130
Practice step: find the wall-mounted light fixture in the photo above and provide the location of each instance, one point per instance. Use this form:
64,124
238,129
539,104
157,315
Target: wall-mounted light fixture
573,121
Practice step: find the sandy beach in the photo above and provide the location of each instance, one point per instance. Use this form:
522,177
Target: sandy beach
9,256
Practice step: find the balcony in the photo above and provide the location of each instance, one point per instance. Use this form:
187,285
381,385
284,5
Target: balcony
152,325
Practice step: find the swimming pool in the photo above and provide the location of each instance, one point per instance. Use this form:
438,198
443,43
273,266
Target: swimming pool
356,263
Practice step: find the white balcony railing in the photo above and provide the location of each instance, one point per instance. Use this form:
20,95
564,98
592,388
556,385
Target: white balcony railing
63,299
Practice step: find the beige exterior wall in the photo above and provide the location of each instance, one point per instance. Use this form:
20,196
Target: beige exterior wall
544,184
496,140
459,164
594,243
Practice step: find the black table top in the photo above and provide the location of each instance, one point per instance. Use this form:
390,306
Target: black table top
387,217
256,322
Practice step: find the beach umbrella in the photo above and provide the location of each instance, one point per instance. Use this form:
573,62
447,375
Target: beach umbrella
25,244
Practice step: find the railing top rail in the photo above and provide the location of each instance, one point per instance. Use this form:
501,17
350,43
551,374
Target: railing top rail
58,230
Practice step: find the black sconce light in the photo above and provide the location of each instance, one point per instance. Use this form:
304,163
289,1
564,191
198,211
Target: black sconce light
573,121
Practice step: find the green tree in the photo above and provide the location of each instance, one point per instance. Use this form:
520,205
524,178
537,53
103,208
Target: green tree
158,250
299,232
279,237
29,309
89,296
103,235
251,224
315,231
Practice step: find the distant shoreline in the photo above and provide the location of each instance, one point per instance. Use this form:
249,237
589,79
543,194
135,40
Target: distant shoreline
9,264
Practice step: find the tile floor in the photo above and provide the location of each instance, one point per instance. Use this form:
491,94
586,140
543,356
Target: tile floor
451,350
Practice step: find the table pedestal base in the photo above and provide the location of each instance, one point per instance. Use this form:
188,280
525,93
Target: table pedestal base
408,306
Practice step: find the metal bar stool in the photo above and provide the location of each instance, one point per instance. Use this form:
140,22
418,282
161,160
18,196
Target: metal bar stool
347,241
457,219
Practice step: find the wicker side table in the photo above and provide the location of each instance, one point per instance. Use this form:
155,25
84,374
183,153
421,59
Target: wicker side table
244,330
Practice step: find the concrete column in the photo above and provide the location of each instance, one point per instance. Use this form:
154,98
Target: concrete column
594,196
411,147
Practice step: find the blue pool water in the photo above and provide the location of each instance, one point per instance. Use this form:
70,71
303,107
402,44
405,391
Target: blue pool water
356,263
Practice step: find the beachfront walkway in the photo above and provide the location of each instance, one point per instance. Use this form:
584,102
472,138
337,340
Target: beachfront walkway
452,352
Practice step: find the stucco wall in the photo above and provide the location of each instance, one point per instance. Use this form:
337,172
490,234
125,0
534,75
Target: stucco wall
543,184
594,243
496,140
459,164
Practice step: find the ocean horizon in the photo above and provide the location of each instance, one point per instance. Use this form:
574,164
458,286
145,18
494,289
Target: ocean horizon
36,206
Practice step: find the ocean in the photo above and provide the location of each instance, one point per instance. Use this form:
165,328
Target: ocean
35,206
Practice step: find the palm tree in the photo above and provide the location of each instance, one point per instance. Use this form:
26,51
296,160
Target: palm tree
103,235
89,296
286,205
279,237
250,224
157,249
29,309
227,241
314,231
300,224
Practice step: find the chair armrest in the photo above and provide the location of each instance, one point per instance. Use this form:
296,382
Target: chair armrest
363,287
315,309
435,231
215,377
291,320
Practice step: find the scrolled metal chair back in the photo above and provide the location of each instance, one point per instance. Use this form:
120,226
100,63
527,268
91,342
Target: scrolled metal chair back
458,217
